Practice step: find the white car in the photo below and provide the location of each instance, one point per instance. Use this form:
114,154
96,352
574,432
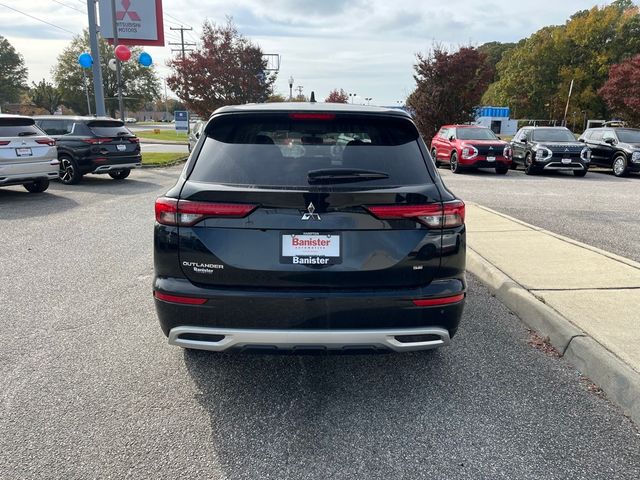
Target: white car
130,120
28,156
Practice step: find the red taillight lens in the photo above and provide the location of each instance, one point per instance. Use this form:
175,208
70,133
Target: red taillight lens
170,211
433,215
312,116
46,141
434,302
4,142
96,141
134,140
179,299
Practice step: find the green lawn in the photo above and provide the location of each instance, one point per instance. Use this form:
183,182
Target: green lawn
170,135
162,158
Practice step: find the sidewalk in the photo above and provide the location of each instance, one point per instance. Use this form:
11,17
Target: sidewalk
586,300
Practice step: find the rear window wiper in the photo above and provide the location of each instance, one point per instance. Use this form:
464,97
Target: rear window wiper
336,175
27,134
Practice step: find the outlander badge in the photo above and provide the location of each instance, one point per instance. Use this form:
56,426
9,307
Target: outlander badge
311,215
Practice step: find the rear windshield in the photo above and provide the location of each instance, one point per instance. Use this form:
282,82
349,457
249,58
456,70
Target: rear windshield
18,127
108,128
553,135
629,136
281,150
476,134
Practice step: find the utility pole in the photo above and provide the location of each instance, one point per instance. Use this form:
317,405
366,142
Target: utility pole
118,66
299,88
182,42
95,54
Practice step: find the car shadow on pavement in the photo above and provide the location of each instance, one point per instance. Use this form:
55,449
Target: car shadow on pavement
16,204
108,186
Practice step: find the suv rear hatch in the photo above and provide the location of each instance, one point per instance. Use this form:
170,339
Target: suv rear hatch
21,141
306,200
112,138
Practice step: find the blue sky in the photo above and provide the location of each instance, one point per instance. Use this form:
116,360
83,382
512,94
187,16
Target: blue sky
366,47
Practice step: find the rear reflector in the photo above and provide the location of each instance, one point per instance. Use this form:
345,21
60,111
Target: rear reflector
433,215
170,211
312,116
434,302
46,141
179,299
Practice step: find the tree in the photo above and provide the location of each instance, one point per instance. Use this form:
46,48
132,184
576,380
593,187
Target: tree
139,84
45,95
449,87
337,96
13,73
534,77
276,98
622,90
226,69
494,52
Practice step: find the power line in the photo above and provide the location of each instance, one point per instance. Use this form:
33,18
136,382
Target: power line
182,43
180,22
69,6
38,19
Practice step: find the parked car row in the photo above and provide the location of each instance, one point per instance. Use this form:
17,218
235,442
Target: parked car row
35,150
538,149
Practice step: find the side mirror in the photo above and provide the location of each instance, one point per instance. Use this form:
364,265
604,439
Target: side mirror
524,139
452,138
197,134
581,139
610,141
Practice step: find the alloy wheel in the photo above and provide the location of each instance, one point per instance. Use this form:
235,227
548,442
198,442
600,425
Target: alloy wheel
619,166
66,170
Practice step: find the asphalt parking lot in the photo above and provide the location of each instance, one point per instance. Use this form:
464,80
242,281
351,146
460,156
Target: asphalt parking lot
599,209
90,389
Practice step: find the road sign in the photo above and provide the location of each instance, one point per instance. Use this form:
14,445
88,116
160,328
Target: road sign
181,118
139,22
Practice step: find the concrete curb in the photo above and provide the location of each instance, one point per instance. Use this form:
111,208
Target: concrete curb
619,381
166,165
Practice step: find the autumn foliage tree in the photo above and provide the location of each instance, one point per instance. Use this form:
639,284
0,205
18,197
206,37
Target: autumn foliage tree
449,87
226,69
622,90
337,96
45,95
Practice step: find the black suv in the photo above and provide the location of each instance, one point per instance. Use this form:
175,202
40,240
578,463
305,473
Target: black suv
549,148
615,148
92,145
309,226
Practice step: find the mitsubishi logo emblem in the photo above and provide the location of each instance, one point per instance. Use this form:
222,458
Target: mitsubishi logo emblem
566,149
490,148
311,215
133,16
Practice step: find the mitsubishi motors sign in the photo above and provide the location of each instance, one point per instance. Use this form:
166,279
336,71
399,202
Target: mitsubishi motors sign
139,21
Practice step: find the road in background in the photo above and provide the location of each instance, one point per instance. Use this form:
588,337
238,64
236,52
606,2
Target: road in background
600,209
163,147
90,388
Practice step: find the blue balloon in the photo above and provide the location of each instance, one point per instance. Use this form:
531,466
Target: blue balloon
85,60
145,59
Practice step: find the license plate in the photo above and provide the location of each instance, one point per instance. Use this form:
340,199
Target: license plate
121,148
566,161
491,159
24,152
311,249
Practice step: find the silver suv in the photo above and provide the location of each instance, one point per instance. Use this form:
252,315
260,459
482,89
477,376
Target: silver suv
27,155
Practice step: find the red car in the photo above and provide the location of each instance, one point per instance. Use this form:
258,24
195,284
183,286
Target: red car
470,146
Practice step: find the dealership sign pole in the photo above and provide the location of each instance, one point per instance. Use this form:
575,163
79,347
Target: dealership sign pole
114,25
95,53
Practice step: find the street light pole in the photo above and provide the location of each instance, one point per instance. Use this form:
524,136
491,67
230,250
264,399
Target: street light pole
291,88
118,66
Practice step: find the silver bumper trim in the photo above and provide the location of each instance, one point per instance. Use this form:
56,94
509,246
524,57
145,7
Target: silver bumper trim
291,339
110,168
563,166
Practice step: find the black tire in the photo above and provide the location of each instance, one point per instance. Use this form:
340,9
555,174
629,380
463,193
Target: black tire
502,170
455,166
69,173
619,166
38,186
580,173
435,158
529,169
514,165
120,174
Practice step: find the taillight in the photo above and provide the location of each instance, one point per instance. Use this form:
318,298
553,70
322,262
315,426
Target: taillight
435,302
134,139
170,211
4,142
432,215
96,141
312,116
46,141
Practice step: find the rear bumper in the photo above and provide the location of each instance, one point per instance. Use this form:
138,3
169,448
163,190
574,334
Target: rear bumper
111,168
105,164
398,340
278,314
19,173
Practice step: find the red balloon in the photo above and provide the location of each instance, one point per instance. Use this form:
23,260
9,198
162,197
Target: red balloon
123,53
